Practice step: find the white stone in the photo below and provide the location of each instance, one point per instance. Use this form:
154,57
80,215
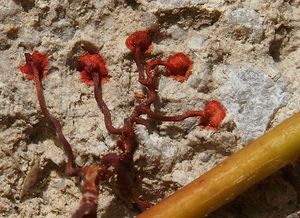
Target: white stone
247,21
251,99
195,40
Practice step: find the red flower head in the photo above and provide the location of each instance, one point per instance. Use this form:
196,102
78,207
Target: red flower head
37,60
139,39
179,67
92,63
214,113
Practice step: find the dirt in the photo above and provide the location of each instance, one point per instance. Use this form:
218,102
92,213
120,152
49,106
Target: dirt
226,40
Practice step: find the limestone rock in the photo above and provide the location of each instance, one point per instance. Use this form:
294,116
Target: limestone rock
251,98
244,23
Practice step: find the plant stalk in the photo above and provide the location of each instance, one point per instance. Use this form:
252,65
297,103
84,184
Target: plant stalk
233,176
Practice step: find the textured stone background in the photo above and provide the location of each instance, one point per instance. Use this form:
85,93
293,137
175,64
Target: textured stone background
246,53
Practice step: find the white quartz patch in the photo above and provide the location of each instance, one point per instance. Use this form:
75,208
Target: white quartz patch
251,98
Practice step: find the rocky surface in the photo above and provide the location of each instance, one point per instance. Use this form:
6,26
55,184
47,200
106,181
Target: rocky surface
245,53
252,98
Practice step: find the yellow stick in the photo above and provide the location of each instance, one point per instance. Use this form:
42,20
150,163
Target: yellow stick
241,170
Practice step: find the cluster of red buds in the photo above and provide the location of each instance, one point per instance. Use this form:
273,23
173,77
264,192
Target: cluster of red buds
116,165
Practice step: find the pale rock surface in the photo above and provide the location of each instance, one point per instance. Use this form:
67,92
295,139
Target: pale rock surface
251,98
244,22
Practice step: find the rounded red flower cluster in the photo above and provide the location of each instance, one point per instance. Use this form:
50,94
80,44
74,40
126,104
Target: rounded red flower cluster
92,63
35,60
214,113
179,67
139,39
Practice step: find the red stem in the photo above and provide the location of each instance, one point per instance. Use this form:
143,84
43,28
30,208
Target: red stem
71,168
175,118
89,200
102,105
138,56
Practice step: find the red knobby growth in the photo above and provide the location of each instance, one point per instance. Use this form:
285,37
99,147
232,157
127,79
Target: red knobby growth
139,39
138,43
179,67
117,165
214,113
90,63
39,61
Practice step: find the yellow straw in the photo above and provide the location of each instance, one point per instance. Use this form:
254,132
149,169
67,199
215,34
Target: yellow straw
241,170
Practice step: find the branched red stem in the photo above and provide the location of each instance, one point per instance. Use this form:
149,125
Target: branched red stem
118,164
127,140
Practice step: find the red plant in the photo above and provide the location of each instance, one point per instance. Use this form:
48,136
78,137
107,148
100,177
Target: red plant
36,70
139,40
90,63
214,113
179,67
116,165
37,60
